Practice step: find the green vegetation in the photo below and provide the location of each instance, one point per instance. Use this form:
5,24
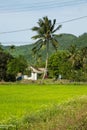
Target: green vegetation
81,41
65,40
10,66
46,106
4,59
70,61
34,105
17,65
71,64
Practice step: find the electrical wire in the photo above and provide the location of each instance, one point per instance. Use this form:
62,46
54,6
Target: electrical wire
41,5
28,29
14,31
71,20
38,4
18,43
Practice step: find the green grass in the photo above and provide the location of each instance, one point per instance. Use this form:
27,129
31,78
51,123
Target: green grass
19,100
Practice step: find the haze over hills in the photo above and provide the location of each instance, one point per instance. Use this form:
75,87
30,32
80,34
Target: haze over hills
65,40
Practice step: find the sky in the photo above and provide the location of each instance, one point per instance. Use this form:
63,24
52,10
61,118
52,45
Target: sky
22,15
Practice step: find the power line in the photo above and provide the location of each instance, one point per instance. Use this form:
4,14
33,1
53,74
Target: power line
73,19
37,4
14,31
40,5
27,29
19,42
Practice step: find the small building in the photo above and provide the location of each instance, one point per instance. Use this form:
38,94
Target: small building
32,77
34,73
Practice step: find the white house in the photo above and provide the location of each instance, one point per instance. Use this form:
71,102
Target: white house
34,73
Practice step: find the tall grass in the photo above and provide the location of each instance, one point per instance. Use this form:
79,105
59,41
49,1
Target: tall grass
71,115
37,106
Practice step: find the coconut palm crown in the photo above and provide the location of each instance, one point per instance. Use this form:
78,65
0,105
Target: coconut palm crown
45,36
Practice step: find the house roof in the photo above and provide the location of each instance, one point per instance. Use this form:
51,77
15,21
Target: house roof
37,70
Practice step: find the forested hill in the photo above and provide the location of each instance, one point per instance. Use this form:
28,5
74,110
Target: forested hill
81,41
65,40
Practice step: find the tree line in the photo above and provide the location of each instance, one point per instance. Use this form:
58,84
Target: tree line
70,64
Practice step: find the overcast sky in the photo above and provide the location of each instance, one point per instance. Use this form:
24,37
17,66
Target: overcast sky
24,14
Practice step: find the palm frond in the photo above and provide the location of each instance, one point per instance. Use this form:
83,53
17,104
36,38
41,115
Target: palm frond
57,28
45,19
36,37
34,50
57,35
40,46
54,22
37,45
54,43
47,23
50,24
35,28
40,22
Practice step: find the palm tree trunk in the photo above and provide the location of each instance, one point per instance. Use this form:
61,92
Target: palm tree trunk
46,64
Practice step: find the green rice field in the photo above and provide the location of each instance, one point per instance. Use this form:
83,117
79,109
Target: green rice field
17,100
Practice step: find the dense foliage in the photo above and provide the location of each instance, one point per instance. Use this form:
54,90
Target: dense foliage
10,66
81,41
4,60
70,61
17,65
71,64
58,64
65,40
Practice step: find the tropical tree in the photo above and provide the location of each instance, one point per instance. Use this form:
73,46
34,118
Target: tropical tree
73,54
84,57
16,65
59,65
4,60
45,36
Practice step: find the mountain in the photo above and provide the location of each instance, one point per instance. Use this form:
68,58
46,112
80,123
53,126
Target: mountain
81,41
65,40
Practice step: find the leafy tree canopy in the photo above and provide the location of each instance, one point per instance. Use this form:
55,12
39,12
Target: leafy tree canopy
17,65
4,60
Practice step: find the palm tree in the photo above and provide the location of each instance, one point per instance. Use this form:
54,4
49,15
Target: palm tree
45,36
84,56
73,54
